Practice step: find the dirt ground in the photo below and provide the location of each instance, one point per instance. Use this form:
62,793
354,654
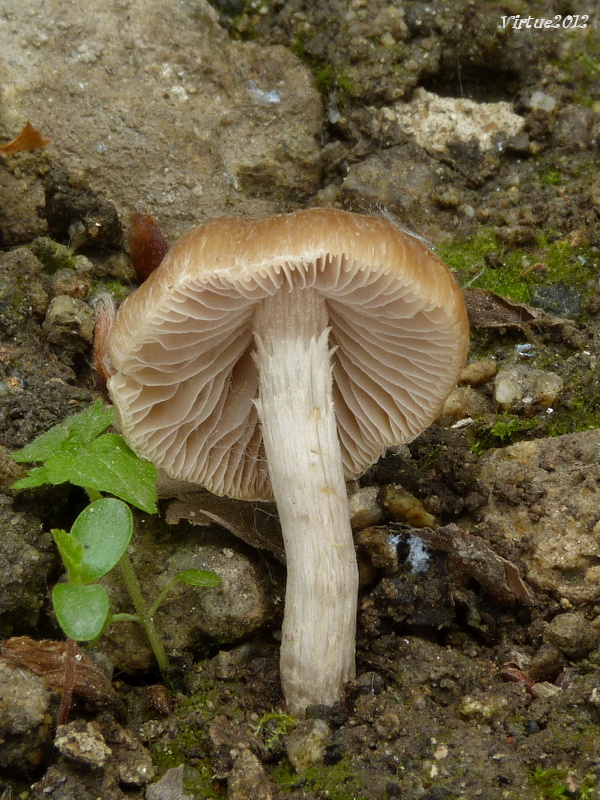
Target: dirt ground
478,653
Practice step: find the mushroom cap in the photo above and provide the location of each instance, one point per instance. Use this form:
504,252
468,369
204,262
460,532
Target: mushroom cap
185,380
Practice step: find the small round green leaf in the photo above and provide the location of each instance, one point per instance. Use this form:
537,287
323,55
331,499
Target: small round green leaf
104,529
82,611
199,577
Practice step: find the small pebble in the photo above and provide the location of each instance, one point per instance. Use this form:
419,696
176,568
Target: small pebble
482,710
72,283
404,507
572,634
83,744
67,317
247,779
463,401
306,744
531,726
544,690
546,664
365,508
521,386
479,372
540,101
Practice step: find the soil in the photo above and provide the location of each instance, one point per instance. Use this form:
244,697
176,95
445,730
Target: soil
478,652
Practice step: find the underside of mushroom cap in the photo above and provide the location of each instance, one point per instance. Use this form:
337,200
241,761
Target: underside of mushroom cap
186,382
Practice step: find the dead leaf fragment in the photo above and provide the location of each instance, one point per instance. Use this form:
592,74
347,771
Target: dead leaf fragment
497,576
29,139
256,524
512,672
488,310
45,658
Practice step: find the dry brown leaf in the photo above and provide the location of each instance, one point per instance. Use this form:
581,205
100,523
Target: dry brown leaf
29,139
255,523
45,658
472,555
489,310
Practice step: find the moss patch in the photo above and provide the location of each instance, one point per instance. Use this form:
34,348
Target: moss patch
501,431
187,741
53,256
484,262
552,784
338,782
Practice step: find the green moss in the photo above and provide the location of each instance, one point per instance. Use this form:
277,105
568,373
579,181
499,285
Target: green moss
503,430
551,784
508,428
54,256
551,177
197,780
338,782
273,727
579,406
327,76
188,744
583,65
578,65
483,262
117,289
346,85
325,79
471,258
582,413
207,699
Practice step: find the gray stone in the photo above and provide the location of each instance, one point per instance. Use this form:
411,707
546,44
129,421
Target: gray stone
543,501
68,318
25,562
520,386
246,599
83,744
463,401
25,720
24,700
247,779
198,125
479,372
169,787
572,634
365,508
306,744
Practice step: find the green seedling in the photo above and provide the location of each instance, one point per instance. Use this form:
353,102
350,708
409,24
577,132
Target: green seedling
78,451
95,545
74,451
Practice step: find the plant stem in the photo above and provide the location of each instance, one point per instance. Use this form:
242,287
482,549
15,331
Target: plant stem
161,597
68,682
145,618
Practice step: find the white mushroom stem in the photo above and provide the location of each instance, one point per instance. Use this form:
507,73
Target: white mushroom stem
305,466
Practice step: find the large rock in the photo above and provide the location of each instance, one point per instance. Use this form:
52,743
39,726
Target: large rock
152,105
544,500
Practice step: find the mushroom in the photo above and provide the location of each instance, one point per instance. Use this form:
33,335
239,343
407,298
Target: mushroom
277,357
